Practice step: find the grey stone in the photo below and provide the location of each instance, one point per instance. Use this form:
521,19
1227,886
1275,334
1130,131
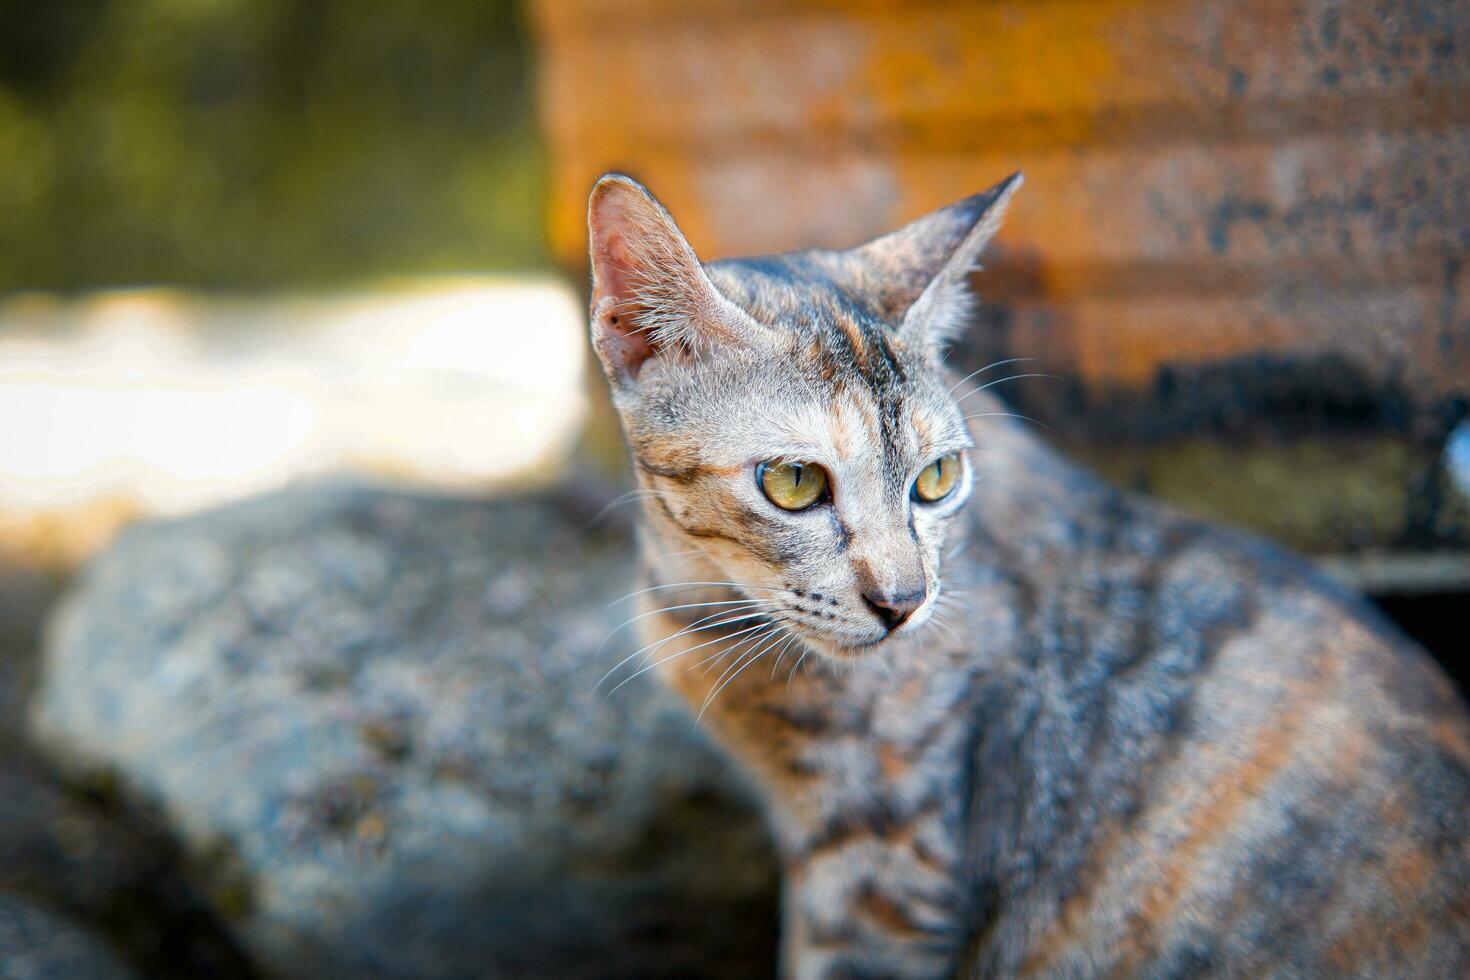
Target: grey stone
39,944
26,592
370,718
78,851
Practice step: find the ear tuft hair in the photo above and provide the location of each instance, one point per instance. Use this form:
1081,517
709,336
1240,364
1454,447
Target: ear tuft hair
920,271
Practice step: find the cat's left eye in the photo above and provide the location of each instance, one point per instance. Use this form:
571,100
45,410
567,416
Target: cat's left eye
937,480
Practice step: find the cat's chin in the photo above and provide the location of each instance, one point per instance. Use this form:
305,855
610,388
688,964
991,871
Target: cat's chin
846,650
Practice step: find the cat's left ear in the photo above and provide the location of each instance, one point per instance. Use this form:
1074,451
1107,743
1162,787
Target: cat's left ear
917,274
651,299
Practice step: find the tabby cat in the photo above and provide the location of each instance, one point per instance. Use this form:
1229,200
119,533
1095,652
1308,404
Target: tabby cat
1006,720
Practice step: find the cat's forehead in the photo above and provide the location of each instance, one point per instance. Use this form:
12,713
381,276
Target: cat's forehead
796,291
842,386
837,335
839,344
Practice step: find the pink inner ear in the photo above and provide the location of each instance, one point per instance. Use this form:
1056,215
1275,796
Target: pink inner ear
623,343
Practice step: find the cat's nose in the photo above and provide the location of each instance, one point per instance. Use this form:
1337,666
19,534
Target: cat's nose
893,610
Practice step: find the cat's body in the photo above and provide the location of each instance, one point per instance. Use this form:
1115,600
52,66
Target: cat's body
1127,744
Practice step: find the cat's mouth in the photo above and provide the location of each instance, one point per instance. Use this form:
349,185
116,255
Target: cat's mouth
828,633
848,649
816,620
842,644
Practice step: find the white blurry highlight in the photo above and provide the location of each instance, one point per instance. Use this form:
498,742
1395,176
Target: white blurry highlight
168,402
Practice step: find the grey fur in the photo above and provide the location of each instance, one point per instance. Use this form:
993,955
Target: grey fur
1115,741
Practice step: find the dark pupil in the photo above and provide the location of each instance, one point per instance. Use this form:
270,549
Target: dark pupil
939,469
796,474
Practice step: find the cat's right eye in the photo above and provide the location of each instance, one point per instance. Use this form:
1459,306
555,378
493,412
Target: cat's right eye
792,486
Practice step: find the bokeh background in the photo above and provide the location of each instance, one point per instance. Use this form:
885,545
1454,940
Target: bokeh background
247,245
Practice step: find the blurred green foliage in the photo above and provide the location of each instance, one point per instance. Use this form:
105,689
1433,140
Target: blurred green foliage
257,143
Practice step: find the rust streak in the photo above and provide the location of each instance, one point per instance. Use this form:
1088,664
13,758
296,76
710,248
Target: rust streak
855,337
892,761
1067,928
1271,751
887,913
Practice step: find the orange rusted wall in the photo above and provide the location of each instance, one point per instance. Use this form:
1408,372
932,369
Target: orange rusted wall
1221,196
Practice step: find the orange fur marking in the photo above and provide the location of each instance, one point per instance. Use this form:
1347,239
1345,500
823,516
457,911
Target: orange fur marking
855,337
886,912
1271,751
892,762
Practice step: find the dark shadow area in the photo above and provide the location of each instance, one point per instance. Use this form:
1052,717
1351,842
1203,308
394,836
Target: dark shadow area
1436,620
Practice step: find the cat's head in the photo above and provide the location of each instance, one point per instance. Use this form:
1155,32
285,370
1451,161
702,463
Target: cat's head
789,414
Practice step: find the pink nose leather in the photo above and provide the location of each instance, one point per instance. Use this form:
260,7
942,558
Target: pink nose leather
893,610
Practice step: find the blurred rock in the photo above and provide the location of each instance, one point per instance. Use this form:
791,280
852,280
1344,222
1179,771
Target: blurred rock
38,944
370,718
26,592
79,853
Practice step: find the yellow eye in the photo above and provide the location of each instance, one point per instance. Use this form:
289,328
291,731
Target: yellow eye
936,480
792,486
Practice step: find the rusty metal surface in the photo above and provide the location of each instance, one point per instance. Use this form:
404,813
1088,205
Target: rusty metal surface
1242,245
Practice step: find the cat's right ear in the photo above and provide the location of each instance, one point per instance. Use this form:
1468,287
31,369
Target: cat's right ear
917,274
651,297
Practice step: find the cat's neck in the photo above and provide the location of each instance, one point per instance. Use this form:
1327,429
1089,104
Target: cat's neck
863,757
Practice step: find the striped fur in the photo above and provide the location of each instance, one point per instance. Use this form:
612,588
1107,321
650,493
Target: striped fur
1113,741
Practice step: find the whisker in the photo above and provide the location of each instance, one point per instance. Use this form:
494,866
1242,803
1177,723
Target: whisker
716,692
691,628
698,625
687,605
669,555
638,493
674,656
796,666
758,639
993,364
698,585
947,627
694,627
781,653
1009,415
719,654
992,384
